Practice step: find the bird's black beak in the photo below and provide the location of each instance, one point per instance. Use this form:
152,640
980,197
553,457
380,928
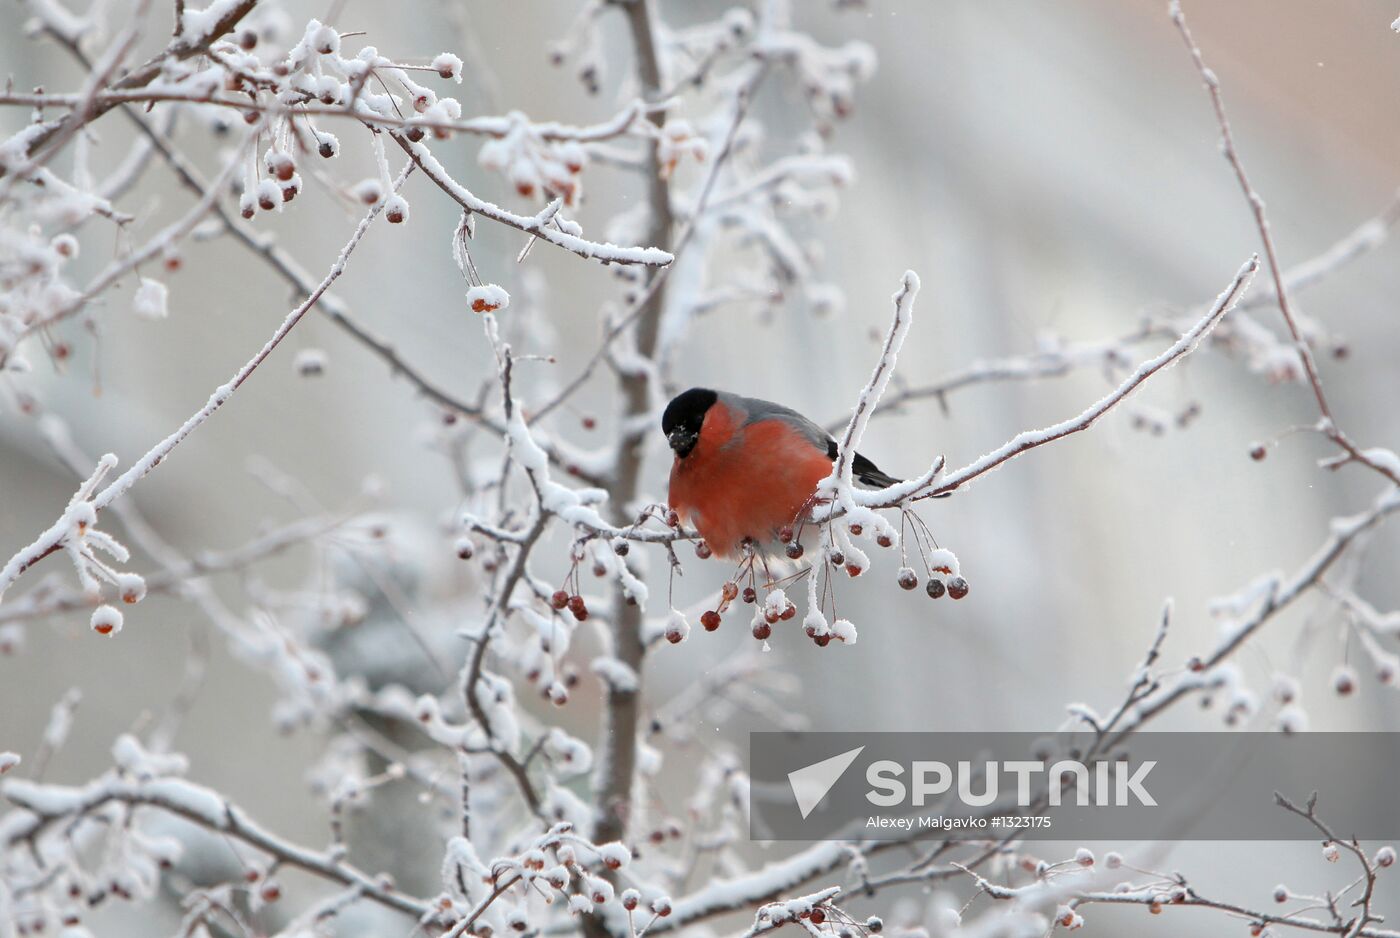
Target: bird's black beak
682,440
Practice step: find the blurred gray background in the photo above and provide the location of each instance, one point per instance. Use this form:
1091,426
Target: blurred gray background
1045,167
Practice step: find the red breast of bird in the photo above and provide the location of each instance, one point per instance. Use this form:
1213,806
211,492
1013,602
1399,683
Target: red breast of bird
744,468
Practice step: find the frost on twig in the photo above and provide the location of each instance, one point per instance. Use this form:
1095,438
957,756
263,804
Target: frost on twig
461,661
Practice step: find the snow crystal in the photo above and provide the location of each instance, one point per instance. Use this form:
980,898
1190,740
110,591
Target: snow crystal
150,301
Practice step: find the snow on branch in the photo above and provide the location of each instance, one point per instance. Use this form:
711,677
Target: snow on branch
1030,439
839,487
544,226
88,502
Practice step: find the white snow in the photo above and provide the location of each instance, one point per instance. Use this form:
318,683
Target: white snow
487,298
151,300
107,620
448,66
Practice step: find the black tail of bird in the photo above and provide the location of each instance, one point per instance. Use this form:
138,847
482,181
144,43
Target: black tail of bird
869,474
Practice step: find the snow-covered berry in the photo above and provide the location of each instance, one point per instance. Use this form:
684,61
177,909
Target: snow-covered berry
487,298
326,40
131,587
396,209
677,628
106,620
448,66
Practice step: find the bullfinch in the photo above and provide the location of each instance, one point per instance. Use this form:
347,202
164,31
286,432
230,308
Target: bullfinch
745,468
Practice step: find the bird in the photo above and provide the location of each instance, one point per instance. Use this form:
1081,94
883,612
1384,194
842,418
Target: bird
746,468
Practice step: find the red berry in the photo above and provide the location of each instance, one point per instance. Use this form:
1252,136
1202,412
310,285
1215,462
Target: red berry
672,519
818,916
577,607
788,612
702,550
853,569
729,590
785,533
908,579
750,595
935,588
589,423
856,530
794,551
838,559
559,600
957,587
1258,452
822,640
761,630
884,540
710,620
